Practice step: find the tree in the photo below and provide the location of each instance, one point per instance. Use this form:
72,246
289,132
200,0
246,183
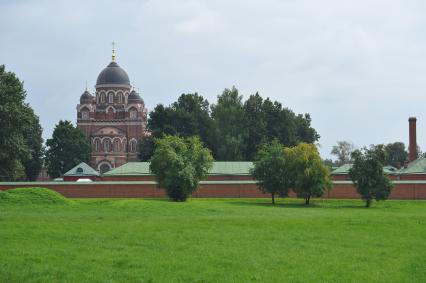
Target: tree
367,174
32,133
311,176
255,125
330,163
396,154
267,120
68,147
179,164
188,116
343,151
146,148
20,132
272,169
228,134
305,133
233,130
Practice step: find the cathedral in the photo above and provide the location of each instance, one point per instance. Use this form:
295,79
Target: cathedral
114,119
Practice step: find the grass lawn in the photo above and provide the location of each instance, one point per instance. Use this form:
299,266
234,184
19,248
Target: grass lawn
213,240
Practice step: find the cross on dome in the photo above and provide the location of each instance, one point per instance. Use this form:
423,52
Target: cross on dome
113,51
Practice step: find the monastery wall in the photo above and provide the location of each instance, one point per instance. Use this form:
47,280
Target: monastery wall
410,190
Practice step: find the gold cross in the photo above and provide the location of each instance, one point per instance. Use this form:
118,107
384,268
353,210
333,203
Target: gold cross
113,51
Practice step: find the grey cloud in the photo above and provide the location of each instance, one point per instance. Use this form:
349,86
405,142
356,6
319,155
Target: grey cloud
357,66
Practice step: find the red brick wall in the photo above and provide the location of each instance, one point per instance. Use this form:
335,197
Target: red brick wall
149,190
129,178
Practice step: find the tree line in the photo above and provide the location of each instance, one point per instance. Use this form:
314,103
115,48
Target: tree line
231,128
395,154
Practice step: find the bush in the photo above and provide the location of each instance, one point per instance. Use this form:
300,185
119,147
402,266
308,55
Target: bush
32,196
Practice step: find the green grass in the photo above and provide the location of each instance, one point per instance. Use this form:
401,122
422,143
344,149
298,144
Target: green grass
212,240
32,196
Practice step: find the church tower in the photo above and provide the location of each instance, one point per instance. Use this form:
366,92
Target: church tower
114,118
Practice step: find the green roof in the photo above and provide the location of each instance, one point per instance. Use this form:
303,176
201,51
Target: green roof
417,166
390,169
131,168
231,168
218,168
82,169
344,169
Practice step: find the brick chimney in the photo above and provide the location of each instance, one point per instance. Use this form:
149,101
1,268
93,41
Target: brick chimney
412,147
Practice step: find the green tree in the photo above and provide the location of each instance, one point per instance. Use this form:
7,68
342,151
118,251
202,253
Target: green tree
367,174
311,176
267,120
255,125
330,163
305,133
146,148
68,147
228,132
32,133
273,169
179,164
396,154
188,116
20,132
343,151
233,130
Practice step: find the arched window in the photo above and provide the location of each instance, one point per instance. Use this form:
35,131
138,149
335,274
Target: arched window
85,115
97,145
107,145
102,97
116,145
79,170
104,168
120,98
132,146
133,114
124,145
110,98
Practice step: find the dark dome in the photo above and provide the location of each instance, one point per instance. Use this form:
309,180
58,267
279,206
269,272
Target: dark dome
134,97
113,74
86,97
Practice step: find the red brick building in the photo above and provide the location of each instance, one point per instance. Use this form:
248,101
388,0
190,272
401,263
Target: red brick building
114,118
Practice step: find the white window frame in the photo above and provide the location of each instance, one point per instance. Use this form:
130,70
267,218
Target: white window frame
85,115
133,114
116,148
97,145
107,145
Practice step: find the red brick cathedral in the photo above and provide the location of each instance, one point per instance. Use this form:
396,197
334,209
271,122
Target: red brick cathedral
114,118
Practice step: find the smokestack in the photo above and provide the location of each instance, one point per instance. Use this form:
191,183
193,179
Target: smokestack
412,147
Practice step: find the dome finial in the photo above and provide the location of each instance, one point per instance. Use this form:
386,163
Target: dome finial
113,51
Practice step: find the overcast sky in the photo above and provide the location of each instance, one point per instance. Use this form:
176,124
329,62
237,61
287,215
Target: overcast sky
358,67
